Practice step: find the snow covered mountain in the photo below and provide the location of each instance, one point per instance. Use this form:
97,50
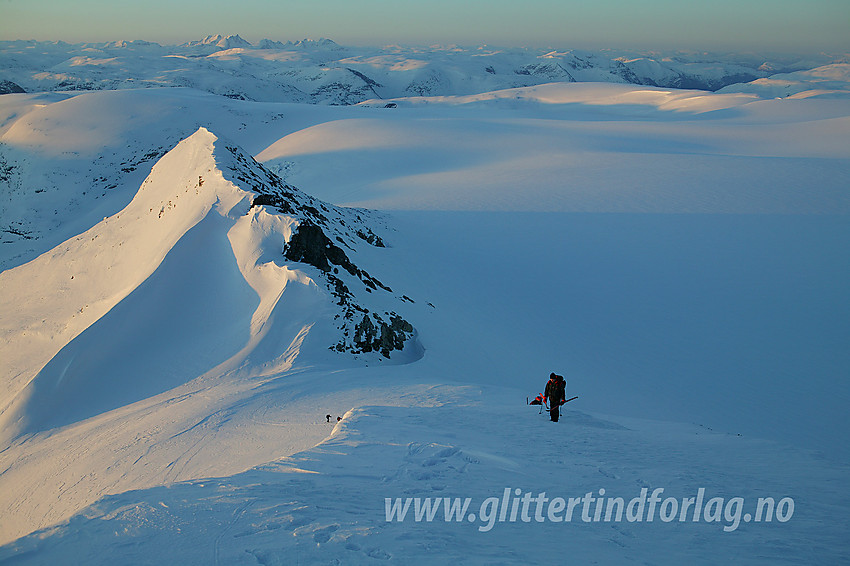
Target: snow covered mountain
321,71
256,272
217,42
187,190
825,81
195,287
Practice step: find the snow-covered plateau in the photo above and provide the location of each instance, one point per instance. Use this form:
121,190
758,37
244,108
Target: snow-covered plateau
248,329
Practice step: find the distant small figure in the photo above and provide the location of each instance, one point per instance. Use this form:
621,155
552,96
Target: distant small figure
338,419
328,417
556,393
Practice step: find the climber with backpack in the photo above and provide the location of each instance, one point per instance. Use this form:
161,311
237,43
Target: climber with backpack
555,392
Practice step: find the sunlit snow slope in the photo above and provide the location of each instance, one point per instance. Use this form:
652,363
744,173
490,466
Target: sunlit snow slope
169,361
182,287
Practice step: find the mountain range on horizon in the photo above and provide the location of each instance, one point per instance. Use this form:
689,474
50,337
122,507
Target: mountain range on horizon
259,299
324,72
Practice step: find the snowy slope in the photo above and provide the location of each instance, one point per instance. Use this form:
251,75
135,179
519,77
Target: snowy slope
68,161
183,286
581,148
828,81
168,405
327,505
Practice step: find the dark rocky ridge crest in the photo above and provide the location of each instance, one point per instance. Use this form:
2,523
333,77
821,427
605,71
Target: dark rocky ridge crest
324,237
373,333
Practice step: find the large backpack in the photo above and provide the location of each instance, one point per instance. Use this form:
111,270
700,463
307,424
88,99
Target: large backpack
559,388
552,390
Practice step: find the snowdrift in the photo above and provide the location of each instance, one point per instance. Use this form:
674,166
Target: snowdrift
342,500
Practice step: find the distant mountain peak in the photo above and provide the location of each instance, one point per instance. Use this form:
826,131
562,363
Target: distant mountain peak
321,43
271,44
136,43
221,41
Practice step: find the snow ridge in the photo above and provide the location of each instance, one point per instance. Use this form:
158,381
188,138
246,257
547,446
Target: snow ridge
204,205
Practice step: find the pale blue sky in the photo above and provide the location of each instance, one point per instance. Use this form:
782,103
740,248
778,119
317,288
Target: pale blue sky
787,25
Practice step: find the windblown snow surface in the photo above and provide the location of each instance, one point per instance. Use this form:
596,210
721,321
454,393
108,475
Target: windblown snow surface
681,257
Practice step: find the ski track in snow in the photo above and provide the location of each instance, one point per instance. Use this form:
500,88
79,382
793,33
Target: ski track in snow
328,502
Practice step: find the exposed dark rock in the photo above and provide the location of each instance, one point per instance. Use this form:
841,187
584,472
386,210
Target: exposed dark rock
619,69
17,232
371,238
310,245
577,63
277,201
365,79
365,333
394,335
374,333
322,237
549,71
368,337
341,292
8,87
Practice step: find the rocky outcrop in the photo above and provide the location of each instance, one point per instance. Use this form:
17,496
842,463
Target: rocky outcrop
374,332
381,337
8,87
327,237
